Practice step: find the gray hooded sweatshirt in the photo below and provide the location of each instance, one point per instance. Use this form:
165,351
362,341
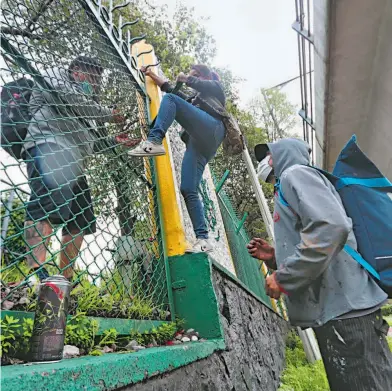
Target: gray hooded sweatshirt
62,125
322,281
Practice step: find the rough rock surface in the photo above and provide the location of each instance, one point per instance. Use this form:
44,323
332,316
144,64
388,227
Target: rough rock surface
253,359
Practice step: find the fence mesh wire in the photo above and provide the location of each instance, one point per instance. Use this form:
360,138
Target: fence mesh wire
248,269
75,187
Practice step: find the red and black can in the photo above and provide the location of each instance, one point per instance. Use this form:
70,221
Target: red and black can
47,341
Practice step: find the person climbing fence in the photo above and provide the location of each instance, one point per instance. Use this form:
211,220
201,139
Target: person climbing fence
58,140
200,115
72,104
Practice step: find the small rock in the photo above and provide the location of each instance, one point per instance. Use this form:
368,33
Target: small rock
114,347
106,349
16,361
185,339
7,305
194,338
70,351
175,342
137,348
24,300
179,337
197,334
202,340
190,331
131,345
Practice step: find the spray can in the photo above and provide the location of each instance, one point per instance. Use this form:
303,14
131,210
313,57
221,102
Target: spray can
47,341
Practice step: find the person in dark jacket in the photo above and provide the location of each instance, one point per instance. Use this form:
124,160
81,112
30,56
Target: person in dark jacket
326,289
204,133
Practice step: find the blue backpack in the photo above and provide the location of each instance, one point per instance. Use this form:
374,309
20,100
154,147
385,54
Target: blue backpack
367,197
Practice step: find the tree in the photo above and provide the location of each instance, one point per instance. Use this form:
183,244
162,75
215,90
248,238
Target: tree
274,113
259,123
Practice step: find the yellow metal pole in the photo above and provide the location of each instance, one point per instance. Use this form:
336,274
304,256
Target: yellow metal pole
173,230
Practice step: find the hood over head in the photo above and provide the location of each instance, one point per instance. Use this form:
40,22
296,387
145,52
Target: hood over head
288,152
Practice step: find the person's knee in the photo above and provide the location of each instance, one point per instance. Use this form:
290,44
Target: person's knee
171,97
187,190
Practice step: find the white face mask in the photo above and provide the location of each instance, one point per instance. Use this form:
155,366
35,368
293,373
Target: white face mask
264,169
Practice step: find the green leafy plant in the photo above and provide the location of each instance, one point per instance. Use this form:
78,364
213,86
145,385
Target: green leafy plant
386,310
96,352
90,298
139,309
160,335
109,337
81,331
9,330
165,332
23,340
299,375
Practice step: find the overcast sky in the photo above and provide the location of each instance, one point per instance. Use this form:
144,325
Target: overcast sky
254,39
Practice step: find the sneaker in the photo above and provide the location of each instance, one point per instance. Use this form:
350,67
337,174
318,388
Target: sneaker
147,148
201,246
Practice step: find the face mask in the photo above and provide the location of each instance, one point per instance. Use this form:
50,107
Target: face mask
264,169
87,88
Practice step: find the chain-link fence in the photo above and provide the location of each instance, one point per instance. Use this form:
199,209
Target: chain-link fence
73,201
248,269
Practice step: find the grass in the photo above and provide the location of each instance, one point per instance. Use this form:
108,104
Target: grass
299,375
389,339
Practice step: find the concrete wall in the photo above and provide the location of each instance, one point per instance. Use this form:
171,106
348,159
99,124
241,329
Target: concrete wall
353,77
254,355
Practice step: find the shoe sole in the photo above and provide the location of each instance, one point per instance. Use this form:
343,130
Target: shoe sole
145,154
190,251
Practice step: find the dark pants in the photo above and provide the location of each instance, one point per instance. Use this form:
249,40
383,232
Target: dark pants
356,354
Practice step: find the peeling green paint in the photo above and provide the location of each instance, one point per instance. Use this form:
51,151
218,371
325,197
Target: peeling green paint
107,372
193,293
123,326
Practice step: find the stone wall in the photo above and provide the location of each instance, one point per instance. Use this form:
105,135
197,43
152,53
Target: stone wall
254,355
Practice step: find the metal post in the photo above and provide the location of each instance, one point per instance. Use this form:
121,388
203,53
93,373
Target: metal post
260,197
6,220
222,181
241,223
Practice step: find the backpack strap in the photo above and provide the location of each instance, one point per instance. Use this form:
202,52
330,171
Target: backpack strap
365,264
281,198
367,182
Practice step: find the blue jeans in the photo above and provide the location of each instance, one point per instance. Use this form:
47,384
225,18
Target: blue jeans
206,134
